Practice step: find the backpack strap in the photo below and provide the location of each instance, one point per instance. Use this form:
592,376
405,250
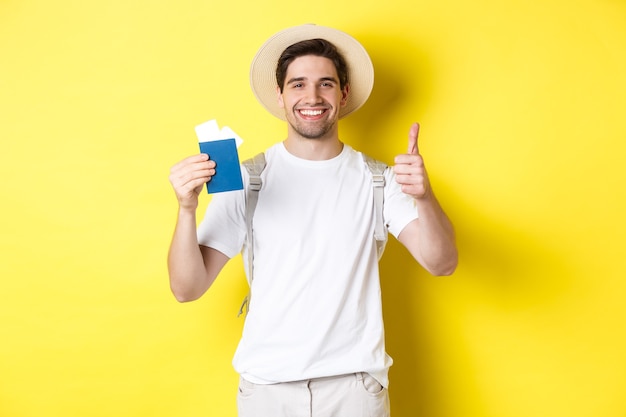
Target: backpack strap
254,166
377,169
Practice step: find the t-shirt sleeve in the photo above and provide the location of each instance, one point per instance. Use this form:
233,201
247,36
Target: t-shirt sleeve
399,208
224,227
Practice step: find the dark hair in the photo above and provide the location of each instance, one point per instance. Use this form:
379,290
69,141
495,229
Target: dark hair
317,47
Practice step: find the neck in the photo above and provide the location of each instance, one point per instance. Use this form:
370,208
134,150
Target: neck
318,149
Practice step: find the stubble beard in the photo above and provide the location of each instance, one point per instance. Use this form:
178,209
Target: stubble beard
312,132
315,130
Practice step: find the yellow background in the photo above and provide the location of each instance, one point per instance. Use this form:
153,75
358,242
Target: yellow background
522,108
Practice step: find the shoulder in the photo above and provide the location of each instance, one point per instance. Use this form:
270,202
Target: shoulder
274,151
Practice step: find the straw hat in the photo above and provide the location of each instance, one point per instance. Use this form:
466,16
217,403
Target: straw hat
263,68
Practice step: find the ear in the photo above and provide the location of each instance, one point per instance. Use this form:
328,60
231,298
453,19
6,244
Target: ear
279,98
344,94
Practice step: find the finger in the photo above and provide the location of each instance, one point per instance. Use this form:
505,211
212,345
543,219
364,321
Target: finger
409,159
413,133
189,160
181,175
197,161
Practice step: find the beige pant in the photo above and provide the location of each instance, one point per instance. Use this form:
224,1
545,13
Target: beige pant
353,395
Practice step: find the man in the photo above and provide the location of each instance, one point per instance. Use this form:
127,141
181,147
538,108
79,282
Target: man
313,340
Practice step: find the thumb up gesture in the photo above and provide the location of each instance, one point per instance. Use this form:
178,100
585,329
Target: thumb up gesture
410,170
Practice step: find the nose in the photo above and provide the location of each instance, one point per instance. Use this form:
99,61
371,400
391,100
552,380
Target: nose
312,95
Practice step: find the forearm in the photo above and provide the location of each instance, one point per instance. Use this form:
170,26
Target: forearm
431,238
187,271
438,241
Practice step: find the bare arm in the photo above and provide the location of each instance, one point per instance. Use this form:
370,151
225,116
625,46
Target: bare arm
192,268
430,238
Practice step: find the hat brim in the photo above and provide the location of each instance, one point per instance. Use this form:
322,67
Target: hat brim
263,67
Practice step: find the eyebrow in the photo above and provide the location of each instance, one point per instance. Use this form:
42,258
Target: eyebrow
298,79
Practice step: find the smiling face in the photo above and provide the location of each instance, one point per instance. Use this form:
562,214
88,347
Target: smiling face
311,97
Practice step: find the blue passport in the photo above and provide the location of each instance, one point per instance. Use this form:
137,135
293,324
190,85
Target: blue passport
227,169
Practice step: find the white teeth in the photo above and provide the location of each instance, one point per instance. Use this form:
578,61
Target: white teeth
311,112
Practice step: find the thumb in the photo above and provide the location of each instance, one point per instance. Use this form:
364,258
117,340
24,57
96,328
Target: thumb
413,133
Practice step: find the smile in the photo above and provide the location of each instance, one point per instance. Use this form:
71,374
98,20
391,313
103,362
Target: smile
311,113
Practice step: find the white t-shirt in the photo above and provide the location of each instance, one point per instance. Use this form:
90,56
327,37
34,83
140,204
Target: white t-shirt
316,305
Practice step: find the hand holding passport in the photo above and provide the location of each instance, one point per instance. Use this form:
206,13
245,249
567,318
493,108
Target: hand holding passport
221,146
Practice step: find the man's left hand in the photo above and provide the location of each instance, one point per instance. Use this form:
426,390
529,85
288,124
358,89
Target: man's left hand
410,170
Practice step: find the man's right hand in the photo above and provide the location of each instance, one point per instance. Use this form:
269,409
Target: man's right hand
188,178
